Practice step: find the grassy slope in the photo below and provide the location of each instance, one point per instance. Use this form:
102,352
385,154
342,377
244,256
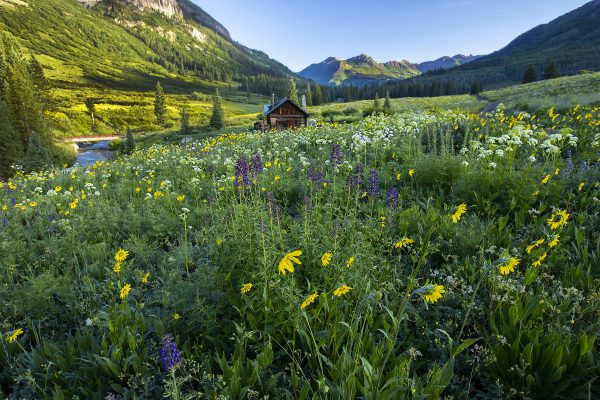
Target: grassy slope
561,93
87,56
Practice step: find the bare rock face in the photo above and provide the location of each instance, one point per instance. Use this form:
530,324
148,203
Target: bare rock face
175,9
170,8
89,3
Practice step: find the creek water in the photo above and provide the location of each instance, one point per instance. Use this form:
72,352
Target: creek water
89,154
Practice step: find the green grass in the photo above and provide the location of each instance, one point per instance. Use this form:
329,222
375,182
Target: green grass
415,300
562,93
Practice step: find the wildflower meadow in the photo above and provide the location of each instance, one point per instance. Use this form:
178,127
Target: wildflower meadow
426,255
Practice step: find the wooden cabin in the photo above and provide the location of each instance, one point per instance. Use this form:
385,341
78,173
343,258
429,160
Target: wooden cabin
285,114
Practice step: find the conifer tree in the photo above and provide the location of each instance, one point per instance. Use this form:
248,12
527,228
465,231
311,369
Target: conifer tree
376,103
159,104
91,106
10,143
309,100
217,119
551,71
318,97
185,120
530,75
387,104
129,143
293,92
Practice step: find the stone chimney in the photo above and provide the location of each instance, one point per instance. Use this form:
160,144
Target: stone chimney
304,102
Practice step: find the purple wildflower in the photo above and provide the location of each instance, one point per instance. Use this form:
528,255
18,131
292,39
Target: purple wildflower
392,198
315,176
256,166
336,155
241,173
13,201
373,189
272,205
355,178
169,354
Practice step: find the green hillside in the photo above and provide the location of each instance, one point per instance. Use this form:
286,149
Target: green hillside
115,55
561,93
572,41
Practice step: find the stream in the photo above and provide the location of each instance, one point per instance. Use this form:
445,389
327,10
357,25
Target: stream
90,153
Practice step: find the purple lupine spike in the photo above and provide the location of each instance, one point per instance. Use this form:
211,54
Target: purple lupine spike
336,155
392,198
315,176
256,166
373,189
13,201
355,178
241,173
169,354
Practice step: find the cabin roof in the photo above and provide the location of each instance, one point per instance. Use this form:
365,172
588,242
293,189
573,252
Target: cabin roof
282,102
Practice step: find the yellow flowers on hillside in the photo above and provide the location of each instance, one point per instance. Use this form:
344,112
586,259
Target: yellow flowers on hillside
14,335
434,293
508,266
534,245
125,291
402,243
246,288
350,261
309,300
287,262
121,255
540,259
342,290
326,258
558,219
460,211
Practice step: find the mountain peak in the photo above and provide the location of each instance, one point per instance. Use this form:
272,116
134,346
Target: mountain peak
362,59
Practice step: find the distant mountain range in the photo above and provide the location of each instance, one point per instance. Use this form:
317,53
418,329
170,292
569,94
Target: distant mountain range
363,70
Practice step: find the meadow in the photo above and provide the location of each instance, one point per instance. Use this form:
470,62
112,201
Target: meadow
424,255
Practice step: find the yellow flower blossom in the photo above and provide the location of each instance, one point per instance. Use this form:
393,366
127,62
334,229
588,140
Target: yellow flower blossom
434,294
535,244
309,300
326,258
558,219
125,291
117,267
554,241
405,242
176,316
33,204
556,171
411,172
13,336
509,266
460,211
121,255
546,179
181,197
286,264
539,261
581,186
246,288
350,262
342,290
145,278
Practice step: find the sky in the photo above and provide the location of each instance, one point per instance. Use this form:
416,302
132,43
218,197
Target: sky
299,33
